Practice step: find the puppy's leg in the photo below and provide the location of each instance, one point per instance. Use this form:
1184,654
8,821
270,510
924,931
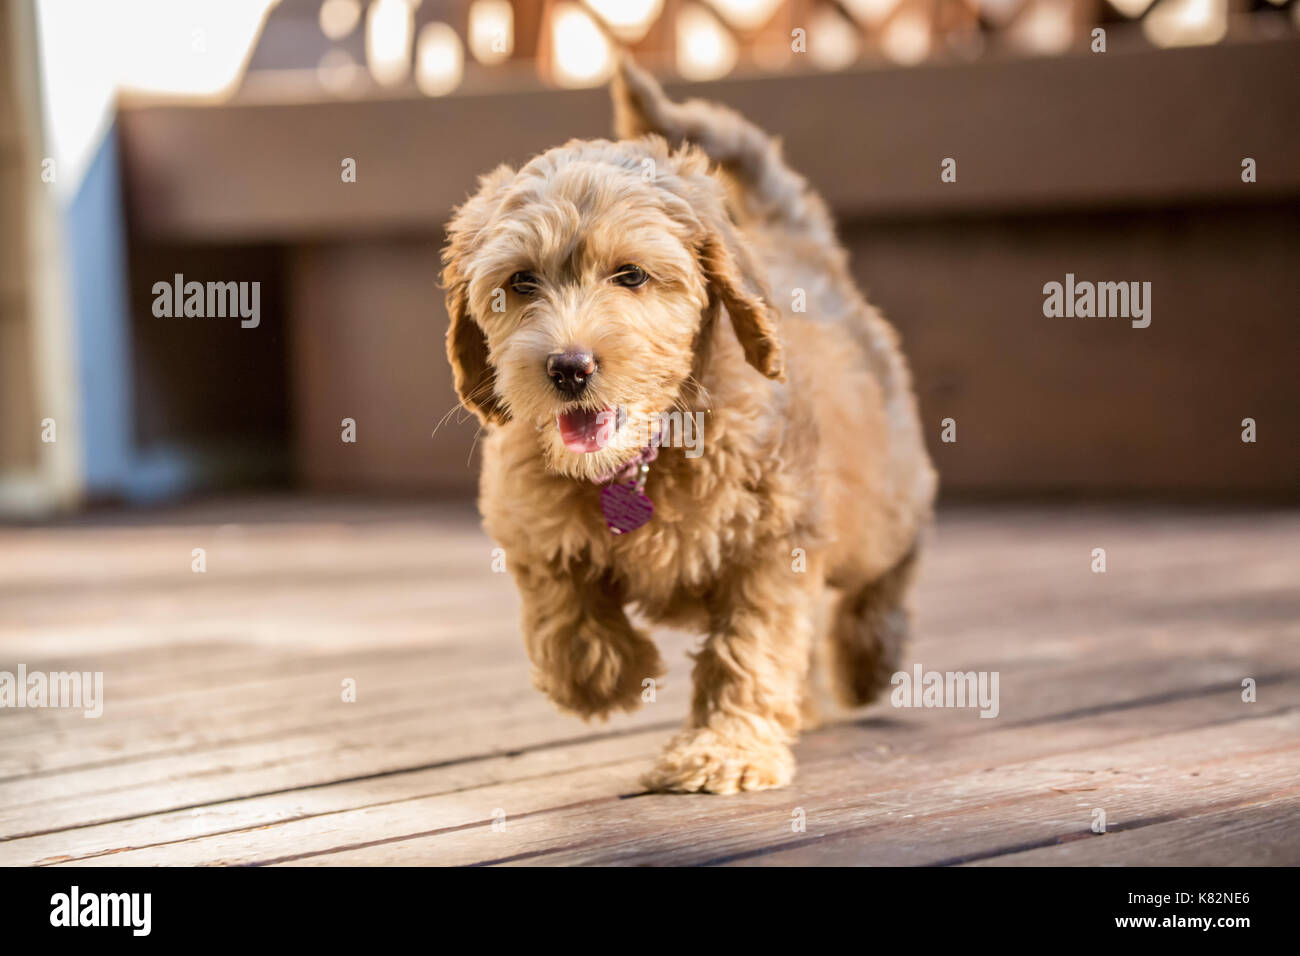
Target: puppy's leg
587,656
748,687
811,715
868,631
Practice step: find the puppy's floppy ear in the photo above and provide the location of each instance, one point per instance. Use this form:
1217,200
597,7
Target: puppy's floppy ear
467,346
473,375
733,278
721,145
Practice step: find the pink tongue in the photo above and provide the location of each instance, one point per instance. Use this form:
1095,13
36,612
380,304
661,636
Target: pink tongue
584,431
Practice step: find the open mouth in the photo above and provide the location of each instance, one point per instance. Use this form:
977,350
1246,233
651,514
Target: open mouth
585,430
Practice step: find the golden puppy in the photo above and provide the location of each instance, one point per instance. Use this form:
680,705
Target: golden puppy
687,270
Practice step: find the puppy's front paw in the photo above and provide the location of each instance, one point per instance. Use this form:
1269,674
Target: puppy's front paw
701,759
598,675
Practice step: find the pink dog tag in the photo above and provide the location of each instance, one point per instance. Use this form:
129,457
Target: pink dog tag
625,508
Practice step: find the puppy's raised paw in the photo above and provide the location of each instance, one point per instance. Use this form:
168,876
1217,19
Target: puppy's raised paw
702,760
597,676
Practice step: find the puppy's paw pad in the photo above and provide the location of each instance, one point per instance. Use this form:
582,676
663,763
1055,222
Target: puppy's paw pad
701,761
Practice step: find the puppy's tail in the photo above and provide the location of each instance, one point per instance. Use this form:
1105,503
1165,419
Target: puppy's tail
770,190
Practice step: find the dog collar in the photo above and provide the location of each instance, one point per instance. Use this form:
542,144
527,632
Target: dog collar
623,500
629,471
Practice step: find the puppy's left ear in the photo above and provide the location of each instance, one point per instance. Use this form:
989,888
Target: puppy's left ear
733,278
467,347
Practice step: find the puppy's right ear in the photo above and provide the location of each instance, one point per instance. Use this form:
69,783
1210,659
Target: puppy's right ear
467,346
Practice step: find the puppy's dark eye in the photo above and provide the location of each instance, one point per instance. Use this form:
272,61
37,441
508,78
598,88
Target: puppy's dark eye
631,276
525,283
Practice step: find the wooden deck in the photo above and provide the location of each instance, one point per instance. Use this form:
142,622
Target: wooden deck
224,739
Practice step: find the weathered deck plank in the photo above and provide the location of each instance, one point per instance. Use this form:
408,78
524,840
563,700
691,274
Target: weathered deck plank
224,738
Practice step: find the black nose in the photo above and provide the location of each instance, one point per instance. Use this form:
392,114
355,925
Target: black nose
569,371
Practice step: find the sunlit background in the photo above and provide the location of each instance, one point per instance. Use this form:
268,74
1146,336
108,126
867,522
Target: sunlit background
143,138
348,48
